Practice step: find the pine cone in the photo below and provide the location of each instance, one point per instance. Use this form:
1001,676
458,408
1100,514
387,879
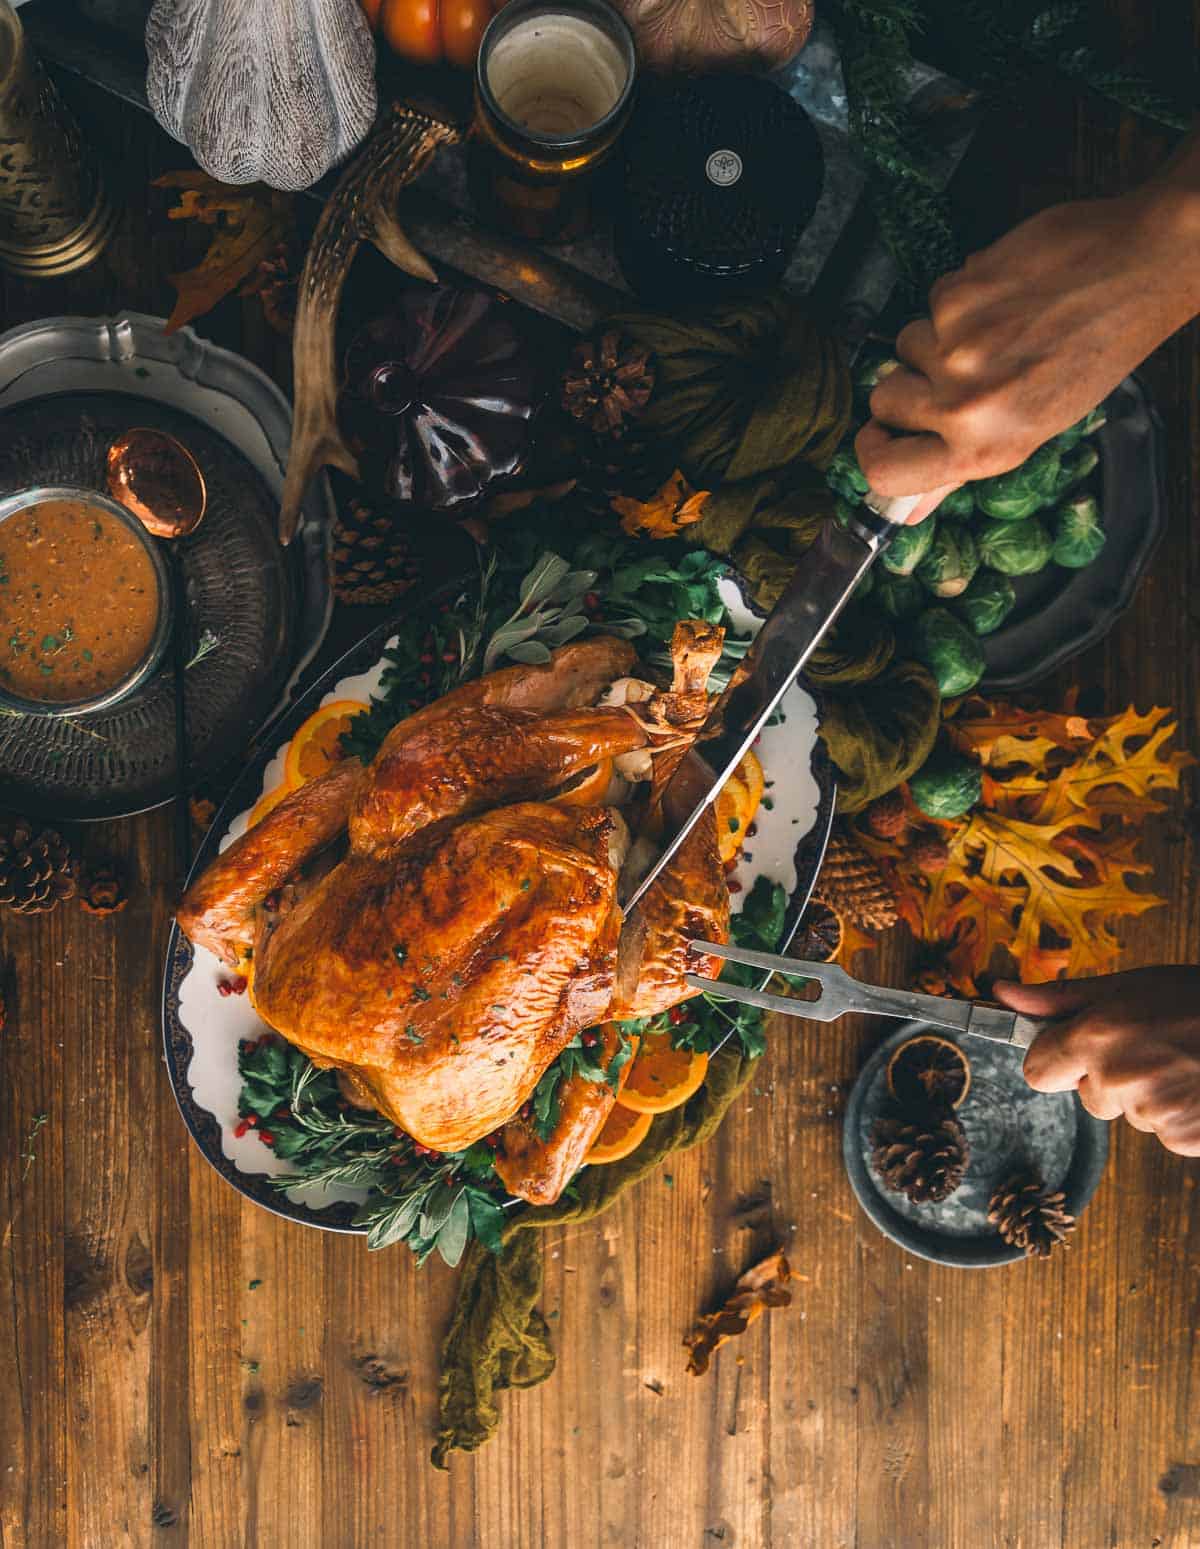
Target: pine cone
37,871
1028,1216
607,384
851,883
923,1158
928,852
103,889
887,817
372,561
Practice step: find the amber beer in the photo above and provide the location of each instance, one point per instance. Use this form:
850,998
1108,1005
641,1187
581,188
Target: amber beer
553,90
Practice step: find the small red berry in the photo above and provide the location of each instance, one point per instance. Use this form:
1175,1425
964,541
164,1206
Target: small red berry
591,600
426,658
240,1128
252,1119
449,656
751,831
266,1137
526,1110
590,1039
734,885
676,1015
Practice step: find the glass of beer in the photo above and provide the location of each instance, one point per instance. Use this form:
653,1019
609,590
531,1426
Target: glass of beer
554,86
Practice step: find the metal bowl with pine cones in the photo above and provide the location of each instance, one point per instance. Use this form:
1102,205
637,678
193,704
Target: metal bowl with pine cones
999,1177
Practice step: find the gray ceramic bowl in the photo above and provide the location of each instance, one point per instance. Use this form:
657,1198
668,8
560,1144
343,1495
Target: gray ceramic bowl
1009,1127
10,505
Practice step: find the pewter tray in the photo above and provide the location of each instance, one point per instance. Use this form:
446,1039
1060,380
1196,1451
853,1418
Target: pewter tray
67,388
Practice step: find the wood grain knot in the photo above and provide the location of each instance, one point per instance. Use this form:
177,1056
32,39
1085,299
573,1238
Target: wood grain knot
86,1277
163,1515
1181,1479
379,1377
139,1268
303,1393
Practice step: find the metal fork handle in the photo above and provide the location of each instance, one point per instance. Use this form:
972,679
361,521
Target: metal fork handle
841,993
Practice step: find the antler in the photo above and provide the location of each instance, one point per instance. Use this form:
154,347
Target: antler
361,209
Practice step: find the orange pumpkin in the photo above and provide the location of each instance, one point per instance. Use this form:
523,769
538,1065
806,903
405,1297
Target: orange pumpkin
432,31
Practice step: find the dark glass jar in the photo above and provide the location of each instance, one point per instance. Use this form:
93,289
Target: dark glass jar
554,84
721,176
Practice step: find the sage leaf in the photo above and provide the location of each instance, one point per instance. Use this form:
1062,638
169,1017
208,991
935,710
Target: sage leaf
452,1239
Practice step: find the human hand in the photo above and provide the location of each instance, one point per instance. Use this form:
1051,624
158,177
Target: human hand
1028,336
1128,1043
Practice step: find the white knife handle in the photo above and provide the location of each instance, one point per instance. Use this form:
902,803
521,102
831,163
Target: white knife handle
893,508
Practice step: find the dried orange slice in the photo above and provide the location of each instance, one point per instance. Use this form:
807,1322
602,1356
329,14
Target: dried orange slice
623,1132
588,789
317,745
268,803
660,1077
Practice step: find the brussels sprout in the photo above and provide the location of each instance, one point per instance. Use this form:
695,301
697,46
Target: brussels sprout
986,603
947,786
1014,548
870,370
909,547
949,650
1075,467
845,477
1011,497
958,503
843,510
951,562
1078,535
899,597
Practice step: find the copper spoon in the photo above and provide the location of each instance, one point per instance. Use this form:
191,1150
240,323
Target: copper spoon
157,479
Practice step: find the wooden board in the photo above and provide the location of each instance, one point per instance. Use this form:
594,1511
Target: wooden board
178,1368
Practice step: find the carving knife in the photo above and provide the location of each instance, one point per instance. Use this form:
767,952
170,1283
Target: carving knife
814,597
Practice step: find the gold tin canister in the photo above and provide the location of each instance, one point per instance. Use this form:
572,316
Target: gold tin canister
54,214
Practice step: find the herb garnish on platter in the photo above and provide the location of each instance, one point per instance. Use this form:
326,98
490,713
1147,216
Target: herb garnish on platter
425,1198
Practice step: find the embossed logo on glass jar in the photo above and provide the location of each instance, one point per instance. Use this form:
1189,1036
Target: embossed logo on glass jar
723,168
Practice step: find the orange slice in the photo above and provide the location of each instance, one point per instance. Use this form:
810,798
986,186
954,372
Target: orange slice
588,789
660,1077
317,745
737,805
623,1132
267,803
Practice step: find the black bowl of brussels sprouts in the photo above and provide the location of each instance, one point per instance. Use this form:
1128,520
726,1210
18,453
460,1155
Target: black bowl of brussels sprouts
1012,576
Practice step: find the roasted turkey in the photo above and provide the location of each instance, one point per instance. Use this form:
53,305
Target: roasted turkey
438,925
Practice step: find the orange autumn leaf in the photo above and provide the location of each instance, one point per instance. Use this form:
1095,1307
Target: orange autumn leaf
248,225
762,1286
676,506
1041,870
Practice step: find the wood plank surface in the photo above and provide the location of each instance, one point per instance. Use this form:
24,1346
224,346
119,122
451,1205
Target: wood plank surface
179,1368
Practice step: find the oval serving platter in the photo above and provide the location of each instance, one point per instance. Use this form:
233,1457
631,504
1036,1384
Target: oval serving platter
202,1029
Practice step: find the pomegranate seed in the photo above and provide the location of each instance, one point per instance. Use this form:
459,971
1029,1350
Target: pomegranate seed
240,1128
751,831
426,658
271,902
224,987
493,1139
734,885
266,1137
237,986
252,1119
590,1040
527,1110
676,1015
591,600
449,656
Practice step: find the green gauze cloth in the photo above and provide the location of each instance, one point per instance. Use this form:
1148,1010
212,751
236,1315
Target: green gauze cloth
497,1337
753,398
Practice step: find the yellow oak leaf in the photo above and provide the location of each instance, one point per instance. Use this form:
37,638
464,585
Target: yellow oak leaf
676,506
248,225
1041,869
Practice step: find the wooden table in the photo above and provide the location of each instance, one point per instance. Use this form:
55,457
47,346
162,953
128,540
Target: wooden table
178,1367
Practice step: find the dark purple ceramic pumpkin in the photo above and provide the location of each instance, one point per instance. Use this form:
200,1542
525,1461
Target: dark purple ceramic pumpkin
438,398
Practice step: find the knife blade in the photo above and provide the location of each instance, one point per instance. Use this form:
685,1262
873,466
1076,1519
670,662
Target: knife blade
791,632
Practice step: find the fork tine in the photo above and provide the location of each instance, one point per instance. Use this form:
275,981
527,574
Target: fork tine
811,1010
773,962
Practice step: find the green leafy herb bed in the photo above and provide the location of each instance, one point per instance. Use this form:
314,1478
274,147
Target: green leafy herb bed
554,578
